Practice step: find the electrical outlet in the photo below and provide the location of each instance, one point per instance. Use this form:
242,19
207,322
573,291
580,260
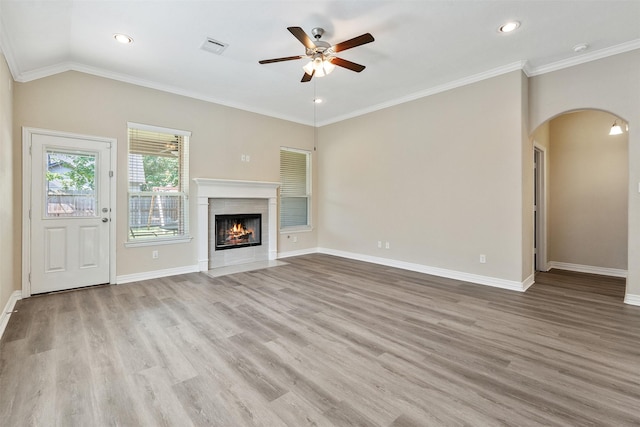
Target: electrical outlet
483,258
386,245
154,255
380,244
295,239
243,158
248,157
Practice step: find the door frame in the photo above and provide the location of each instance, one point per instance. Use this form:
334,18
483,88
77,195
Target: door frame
27,133
540,220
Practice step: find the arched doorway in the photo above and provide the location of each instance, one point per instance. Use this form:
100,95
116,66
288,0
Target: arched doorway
580,193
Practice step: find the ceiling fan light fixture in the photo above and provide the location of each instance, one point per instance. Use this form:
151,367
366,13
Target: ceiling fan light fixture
319,67
315,65
308,68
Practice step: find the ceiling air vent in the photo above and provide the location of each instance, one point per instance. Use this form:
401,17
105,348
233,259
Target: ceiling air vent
213,46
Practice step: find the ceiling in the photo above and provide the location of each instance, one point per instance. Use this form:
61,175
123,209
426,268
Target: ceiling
420,47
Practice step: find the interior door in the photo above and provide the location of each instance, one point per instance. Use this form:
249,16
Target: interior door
70,212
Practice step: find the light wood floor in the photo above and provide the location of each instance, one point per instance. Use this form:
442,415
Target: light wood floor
324,341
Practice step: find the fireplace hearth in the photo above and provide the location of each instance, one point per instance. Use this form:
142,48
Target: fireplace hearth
238,231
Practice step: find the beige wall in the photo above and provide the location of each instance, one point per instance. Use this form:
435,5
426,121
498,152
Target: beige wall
440,178
9,249
588,175
85,104
443,178
527,188
610,84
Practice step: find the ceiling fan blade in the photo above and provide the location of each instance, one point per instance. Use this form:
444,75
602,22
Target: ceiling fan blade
356,41
348,64
302,36
286,58
307,77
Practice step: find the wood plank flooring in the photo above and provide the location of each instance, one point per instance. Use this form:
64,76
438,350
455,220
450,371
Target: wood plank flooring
324,341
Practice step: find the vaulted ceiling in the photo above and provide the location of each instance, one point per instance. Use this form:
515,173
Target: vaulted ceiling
420,47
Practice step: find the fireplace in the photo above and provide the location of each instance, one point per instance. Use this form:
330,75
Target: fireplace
238,231
226,197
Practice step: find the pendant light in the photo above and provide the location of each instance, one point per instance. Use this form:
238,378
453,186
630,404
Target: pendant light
615,129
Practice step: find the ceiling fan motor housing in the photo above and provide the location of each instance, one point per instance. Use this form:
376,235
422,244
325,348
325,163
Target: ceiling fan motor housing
317,32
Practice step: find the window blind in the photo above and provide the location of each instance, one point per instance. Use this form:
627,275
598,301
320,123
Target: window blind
294,188
158,184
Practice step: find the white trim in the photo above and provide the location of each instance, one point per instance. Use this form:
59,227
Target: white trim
298,229
542,207
581,59
632,299
155,274
435,271
125,78
157,129
158,242
519,65
526,283
523,65
579,268
299,252
26,207
27,133
8,309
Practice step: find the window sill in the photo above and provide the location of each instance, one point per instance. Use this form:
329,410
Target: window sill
157,242
301,229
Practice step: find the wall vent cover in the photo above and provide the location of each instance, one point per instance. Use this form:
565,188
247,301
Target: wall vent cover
213,46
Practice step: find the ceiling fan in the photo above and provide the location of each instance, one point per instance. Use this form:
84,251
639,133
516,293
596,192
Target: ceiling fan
322,54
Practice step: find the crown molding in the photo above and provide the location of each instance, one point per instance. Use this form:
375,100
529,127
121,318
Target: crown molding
523,65
584,58
519,65
125,78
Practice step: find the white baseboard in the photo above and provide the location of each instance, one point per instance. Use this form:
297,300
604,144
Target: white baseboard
528,282
435,271
579,268
632,299
297,253
8,309
135,277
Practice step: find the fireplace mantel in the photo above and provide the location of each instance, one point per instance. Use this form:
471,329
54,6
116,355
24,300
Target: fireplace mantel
207,188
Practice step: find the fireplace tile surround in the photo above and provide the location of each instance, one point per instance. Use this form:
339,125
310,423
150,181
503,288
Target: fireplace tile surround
223,196
224,258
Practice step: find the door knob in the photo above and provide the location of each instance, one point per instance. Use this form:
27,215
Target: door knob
105,219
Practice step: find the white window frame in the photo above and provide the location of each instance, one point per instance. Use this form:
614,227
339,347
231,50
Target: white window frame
184,177
308,194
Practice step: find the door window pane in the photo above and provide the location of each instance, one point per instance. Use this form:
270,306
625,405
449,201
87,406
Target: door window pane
70,185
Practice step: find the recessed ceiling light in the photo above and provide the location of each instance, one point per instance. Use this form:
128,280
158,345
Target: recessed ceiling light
318,100
123,38
509,26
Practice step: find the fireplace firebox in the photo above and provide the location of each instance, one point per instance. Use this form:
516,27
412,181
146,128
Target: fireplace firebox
238,231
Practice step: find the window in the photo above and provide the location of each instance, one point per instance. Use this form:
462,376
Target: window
295,189
158,183
70,184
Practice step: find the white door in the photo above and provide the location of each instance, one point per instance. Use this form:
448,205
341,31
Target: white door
70,212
